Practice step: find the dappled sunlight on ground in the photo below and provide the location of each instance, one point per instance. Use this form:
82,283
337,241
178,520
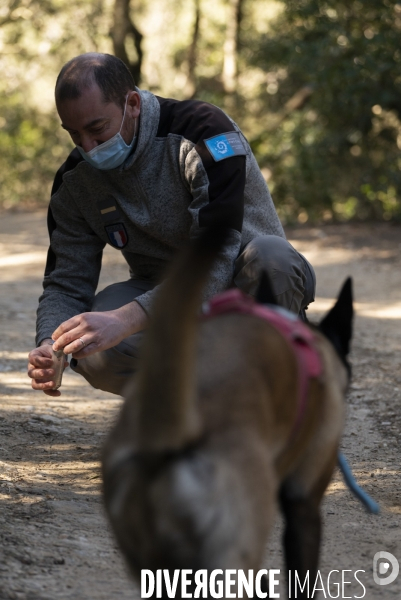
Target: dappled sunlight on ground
375,310
25,258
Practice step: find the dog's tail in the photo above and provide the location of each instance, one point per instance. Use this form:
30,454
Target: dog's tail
168,418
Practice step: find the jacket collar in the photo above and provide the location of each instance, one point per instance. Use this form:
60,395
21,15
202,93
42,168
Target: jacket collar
148,125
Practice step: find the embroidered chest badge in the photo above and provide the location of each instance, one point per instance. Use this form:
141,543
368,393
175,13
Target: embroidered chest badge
225,145
117,235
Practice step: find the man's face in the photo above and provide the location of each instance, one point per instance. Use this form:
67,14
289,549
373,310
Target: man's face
90,121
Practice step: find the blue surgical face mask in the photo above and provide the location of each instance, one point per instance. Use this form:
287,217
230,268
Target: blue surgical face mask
110,154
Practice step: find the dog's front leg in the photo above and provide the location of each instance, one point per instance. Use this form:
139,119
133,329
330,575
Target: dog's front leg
301,542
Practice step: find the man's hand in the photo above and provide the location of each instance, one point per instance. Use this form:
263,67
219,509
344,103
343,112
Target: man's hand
93,332
40,368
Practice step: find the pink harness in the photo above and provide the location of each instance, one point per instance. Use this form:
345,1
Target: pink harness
299,336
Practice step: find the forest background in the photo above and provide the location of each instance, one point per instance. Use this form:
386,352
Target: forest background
314,85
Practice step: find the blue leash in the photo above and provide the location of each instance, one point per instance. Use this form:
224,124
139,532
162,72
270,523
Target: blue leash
370,505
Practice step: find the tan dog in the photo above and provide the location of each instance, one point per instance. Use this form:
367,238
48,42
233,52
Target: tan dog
204,444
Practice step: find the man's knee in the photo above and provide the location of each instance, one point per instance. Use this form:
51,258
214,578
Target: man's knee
291,275
272,252
111,370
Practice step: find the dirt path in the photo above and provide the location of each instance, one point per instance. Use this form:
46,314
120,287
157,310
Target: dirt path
54,539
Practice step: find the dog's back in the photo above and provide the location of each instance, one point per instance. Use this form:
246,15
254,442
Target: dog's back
205,441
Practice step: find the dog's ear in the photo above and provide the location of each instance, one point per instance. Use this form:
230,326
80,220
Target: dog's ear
264,293
337,324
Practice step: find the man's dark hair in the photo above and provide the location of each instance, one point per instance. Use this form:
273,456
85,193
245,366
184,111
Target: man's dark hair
108,72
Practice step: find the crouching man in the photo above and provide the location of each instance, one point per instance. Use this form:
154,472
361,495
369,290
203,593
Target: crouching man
146,175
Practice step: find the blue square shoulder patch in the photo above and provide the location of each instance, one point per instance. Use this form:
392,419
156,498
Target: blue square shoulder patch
225,145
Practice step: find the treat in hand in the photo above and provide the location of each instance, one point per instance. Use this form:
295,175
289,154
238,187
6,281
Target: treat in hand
59,359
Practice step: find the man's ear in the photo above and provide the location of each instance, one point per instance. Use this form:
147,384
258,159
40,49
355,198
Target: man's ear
337,324
134,104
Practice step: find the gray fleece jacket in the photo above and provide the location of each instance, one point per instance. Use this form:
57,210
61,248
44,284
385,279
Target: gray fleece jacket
191,167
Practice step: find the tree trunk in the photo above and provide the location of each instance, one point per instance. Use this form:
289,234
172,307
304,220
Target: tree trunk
122,30
193,54
230,64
